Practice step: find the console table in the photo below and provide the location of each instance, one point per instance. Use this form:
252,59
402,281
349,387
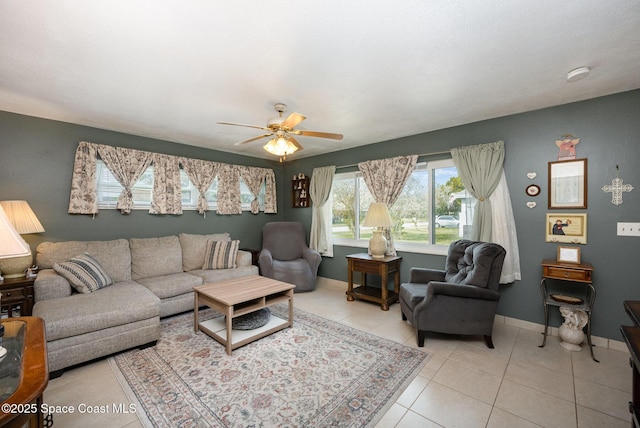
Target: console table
382,266
631,337
578,273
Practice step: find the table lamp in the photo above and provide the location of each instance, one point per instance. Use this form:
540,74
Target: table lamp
378,217
20,217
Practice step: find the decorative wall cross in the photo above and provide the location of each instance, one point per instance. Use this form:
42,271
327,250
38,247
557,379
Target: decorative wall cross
616,188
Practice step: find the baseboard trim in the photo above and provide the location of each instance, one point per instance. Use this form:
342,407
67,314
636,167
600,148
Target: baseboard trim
602,342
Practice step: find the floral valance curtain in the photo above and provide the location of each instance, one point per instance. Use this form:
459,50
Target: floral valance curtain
84,194
167,191
201,173
127,165
254,177
385,179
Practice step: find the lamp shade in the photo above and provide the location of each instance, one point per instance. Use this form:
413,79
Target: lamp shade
22,217
11,243
377,216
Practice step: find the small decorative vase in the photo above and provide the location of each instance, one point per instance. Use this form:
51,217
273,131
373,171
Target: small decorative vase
571,330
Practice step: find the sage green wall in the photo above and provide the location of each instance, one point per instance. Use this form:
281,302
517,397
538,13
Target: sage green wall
36,158
609,129
36,161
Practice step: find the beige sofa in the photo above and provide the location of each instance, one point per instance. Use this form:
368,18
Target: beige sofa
153,278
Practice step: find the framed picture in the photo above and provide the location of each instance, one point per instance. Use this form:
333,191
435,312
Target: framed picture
568,255
568,184
568,228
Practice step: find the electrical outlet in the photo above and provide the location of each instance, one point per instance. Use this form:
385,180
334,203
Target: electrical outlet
628,229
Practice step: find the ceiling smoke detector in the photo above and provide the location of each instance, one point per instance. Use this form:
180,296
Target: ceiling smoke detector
578,74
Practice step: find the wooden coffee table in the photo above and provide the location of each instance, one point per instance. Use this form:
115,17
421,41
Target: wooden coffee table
240,296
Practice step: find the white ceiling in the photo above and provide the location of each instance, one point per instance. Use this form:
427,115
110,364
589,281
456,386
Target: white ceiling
369,69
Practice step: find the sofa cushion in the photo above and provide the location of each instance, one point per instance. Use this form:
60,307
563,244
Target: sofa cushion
221,254
114,256
119,304
214,275
194,247
155,256
171,285
84,273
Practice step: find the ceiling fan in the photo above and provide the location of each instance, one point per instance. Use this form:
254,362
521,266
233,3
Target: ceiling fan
282,131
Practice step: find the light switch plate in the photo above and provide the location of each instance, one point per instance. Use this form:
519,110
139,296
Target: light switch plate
628,229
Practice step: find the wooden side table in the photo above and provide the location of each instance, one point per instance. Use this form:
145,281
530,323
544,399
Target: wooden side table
17,293
575,273
383,267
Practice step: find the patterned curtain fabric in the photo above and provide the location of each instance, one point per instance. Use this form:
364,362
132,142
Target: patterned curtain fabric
167,193
320,238
229,201
83,198
385,179
201,173
253,178
126,165
481,169
270,197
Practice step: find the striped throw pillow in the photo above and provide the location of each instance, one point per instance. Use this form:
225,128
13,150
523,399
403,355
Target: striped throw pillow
84,273
221,254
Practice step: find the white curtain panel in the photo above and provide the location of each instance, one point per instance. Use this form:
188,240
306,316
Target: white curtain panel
504,231
481,169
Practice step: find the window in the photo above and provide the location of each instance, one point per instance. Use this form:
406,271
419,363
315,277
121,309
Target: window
432,211
109,190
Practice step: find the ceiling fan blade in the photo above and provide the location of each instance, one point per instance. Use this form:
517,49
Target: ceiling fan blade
252,139
293,120
295,143
247,126
319,134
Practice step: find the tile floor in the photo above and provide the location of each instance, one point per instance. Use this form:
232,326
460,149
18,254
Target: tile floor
464,384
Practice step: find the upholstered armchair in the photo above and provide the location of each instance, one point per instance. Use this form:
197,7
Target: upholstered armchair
462,299
286,257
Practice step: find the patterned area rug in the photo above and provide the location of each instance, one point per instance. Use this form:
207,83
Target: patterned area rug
318,373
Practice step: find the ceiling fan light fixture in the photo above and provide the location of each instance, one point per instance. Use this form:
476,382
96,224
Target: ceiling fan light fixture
280,146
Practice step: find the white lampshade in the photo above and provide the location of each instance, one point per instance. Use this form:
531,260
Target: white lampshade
15,254
11,243
377,216
22,217
12,246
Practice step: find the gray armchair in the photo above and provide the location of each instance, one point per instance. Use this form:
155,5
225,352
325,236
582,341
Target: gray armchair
459,300
286,257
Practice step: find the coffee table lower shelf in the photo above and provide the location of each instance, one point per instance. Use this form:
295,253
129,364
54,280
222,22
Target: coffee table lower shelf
217,329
